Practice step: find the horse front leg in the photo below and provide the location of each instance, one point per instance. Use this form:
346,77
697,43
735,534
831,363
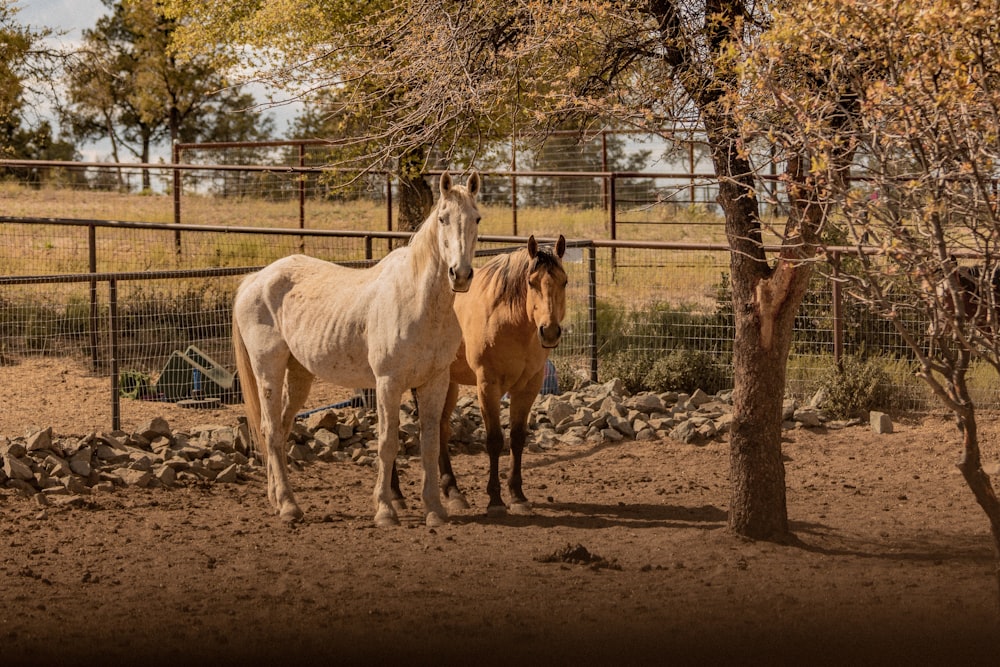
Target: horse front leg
489,405
388,397
520,409
449,482
432,397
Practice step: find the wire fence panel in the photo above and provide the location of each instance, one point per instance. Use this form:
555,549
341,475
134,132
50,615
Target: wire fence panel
663,289
625,305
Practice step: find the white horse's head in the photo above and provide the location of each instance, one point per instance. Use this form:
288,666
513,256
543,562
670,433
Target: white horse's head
458,228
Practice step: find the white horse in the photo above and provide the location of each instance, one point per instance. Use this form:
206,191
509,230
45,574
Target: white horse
391,326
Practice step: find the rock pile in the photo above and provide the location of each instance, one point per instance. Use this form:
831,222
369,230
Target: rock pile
61,469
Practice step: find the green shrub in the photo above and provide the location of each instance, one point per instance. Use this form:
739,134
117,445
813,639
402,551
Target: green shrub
856,387
685,370
628,366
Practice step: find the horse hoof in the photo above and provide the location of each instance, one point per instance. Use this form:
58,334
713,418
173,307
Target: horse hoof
496,510
291,514
457,502
398,504
434,520
521,509
386,519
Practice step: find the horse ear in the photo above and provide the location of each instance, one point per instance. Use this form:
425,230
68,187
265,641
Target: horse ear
561,246
445,184
532,246
473,183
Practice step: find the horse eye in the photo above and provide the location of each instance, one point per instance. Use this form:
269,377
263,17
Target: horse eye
478,218
442,220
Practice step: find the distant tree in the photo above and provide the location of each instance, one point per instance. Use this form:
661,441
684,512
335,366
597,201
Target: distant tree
128,86
26,68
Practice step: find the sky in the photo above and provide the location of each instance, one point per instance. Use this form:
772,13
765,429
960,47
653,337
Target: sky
70,15
70,18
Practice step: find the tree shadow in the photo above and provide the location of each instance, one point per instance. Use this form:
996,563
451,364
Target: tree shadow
592,516
929,546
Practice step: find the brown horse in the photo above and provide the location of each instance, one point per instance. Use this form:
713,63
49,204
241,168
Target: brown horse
510,319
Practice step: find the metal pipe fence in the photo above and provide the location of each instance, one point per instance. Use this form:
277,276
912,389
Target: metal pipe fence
116,294
608,204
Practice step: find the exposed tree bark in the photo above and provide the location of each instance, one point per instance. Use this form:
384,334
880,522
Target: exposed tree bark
415,196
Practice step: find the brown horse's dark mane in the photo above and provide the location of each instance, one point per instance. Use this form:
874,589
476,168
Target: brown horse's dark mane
506,277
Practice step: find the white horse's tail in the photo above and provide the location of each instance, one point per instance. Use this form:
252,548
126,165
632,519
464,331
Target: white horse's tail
251,397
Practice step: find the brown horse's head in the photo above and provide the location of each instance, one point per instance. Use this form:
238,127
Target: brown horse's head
546,298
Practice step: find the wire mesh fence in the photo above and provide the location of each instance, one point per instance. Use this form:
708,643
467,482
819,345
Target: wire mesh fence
624,302
115,230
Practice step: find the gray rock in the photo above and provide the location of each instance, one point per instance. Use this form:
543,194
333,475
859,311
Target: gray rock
14,449
39,440
165,475
559,410
647,403
228,475
156,427
808,417
139,478
818,399
685,432
699,398
75,485
880,422
622,425
612,434
300,453
79,463
17,469
57,466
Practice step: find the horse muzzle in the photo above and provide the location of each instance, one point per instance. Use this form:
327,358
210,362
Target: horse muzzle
460,279
550,335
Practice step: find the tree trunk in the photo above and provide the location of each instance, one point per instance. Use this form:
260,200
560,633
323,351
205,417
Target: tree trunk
415,196
765,302
971,464
146,180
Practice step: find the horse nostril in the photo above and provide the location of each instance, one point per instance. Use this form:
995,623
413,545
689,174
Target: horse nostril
451,272
558,331
471,273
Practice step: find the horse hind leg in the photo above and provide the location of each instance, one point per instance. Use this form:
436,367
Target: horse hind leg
454,498
489,405
279,404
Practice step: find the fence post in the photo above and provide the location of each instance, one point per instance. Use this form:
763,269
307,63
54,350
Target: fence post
116,407
613,223
94,324
388,201
838,314
513,192
176,157
388,207
604,167
302,196
592,308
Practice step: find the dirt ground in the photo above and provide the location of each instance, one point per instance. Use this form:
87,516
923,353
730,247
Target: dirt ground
892,561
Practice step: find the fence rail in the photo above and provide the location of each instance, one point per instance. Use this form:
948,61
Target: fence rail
115,277
625,297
